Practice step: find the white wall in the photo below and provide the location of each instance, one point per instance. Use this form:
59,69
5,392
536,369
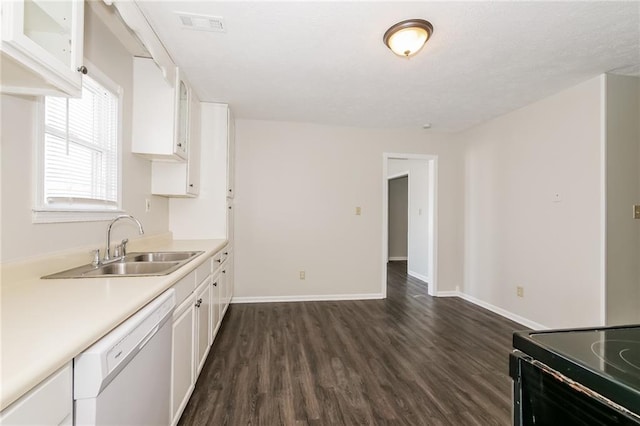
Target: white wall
22,239
398,218
515,232
297,189
418,242
622,191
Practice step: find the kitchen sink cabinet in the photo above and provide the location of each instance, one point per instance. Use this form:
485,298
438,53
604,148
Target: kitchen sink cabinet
49,403
42,47
160,113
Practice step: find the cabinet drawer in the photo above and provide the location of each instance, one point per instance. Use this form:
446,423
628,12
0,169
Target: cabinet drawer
220,257
49,403
217,260
204,270
185,287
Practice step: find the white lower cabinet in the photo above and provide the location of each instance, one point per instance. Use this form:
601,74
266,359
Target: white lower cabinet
195,323
226,279
49,403
215,306
203,323
182,357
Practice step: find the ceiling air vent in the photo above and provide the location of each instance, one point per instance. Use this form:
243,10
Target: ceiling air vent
192,21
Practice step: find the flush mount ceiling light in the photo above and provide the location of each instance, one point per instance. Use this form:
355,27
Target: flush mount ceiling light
406,38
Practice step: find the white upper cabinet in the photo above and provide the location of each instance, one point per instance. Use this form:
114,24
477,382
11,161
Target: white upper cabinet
231,154
160,113
172,179
41,48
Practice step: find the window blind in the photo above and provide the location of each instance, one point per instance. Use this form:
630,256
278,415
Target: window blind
81,150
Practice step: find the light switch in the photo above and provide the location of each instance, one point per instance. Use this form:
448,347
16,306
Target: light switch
358,211
557,197
636,211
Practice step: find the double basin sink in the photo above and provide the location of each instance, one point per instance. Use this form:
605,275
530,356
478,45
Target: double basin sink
132,265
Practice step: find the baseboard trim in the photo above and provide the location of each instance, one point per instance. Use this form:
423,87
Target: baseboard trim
375,296
503,312
396,258
448,294
310,298
418,276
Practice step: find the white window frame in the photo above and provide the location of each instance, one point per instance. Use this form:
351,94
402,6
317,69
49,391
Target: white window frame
47,214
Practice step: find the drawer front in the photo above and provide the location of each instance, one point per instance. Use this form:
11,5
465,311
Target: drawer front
217,260
204,270
49,403
220,257
185,287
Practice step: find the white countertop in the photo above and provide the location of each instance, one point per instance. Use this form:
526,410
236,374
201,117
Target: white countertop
46,323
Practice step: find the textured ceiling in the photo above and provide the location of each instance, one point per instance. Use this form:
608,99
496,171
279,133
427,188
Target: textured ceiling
324,62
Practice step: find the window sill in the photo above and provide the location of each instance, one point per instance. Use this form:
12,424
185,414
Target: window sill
64,216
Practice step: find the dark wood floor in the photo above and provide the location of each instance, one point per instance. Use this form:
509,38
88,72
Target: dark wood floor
408,360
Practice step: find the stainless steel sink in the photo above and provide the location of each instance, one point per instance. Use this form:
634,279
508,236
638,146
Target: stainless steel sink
133,265
135,268
160,256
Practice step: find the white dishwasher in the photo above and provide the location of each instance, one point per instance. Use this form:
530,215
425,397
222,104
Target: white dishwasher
125,378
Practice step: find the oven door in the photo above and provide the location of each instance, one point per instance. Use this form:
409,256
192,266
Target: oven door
544,397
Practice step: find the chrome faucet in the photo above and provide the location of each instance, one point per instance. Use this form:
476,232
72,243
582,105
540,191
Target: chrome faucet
107,254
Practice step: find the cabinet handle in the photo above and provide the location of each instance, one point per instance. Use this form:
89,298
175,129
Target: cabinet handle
229,207
224,271
215,284
230,191
226,253
198,303
190,185
82,69
219,260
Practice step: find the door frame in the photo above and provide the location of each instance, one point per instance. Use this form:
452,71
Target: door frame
432,242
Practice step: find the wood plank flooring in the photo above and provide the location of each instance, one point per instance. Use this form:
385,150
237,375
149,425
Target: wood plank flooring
408,360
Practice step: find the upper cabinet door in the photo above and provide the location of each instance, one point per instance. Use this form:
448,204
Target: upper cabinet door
42,47
231,155
182,118
160,113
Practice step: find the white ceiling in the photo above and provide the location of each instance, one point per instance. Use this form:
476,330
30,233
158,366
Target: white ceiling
324,62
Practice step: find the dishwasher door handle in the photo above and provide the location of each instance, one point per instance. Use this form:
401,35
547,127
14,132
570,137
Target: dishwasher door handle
146,339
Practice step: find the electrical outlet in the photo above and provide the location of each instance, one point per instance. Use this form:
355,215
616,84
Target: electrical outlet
147,205
358,211
303,275
520,291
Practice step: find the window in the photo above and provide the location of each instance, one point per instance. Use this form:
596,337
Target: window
79,156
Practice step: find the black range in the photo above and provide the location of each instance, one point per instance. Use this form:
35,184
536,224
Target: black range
579,376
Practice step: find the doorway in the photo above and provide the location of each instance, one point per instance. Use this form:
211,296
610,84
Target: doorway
398,220
420,172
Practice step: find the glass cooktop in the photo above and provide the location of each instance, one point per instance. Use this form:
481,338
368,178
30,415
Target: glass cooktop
613,352
605,360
